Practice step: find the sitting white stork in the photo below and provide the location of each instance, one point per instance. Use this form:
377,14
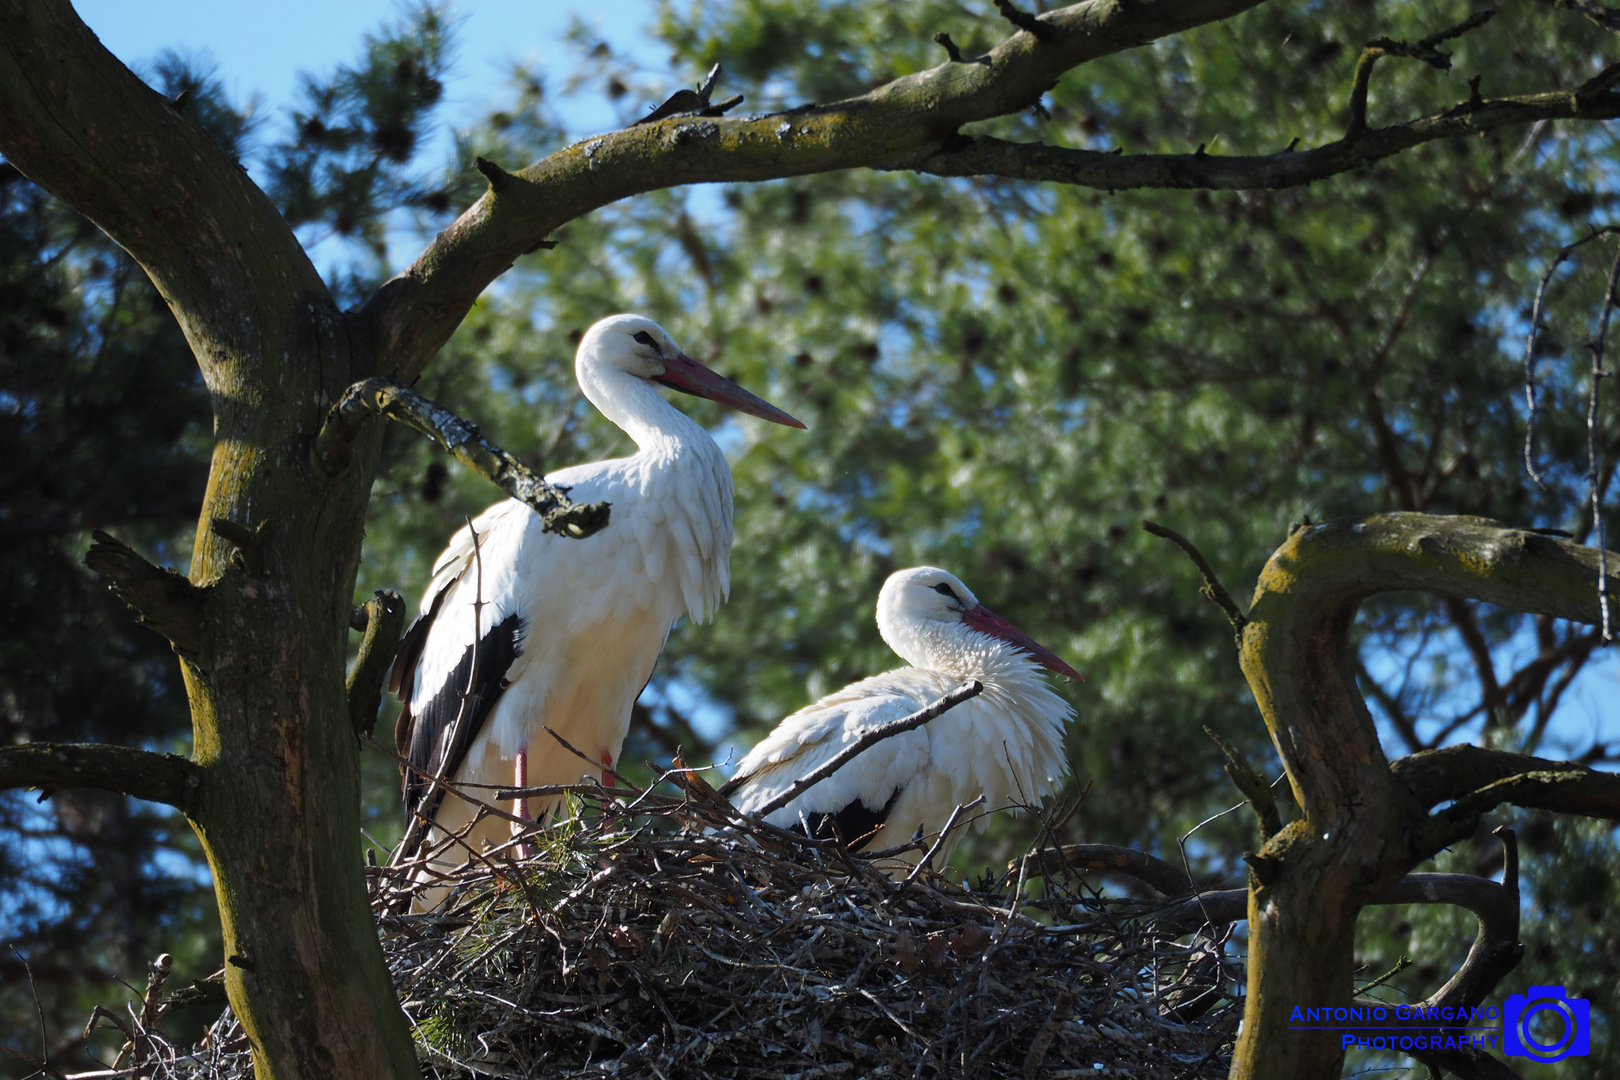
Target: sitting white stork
1005,744
522,630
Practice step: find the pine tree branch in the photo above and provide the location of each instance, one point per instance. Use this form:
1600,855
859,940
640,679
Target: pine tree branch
141,774
165,601
385,397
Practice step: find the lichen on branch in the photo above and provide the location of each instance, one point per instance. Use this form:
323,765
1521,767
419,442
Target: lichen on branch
385,397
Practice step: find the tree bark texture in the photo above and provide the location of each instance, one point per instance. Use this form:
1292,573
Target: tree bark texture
1366,823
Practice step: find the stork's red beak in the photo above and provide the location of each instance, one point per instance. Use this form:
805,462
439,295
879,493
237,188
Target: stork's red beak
988,622
690,377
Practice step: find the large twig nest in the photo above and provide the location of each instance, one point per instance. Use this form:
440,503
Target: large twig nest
694,945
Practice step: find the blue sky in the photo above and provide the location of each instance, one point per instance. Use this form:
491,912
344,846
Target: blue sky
261,48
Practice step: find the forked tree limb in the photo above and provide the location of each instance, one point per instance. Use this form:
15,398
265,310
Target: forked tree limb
1456,772
165,601
164,778
386,397
1424,50
1366,824
911,123
1295,648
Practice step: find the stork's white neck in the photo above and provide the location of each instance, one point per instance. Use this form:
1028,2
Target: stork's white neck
952,648
640,411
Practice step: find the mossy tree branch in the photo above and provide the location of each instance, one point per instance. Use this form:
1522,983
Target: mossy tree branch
911,123
898,125
1367,823
163,778
385,397
1456,772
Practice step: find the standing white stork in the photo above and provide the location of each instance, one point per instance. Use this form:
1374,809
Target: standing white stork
1005,744
522,630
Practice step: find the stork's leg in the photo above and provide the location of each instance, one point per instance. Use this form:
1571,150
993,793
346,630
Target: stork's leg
608,782
520,807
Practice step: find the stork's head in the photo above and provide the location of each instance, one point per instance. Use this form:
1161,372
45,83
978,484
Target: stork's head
637,346
931,620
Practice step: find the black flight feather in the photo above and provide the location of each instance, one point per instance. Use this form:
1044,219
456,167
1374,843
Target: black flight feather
410,651
470,693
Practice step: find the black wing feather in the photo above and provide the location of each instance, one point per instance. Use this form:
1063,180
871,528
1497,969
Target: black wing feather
473,688
854,824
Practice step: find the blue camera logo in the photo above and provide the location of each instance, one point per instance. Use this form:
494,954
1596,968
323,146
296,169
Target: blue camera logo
1520,1009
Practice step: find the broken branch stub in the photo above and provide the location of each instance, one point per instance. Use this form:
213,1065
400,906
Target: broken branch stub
165,601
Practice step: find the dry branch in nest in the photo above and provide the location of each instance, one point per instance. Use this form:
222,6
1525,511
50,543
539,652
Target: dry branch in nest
665,937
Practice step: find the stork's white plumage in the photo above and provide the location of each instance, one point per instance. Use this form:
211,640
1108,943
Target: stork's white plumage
522,629
1005,744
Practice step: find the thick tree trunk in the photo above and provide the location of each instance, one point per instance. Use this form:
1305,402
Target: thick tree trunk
279,807
262,623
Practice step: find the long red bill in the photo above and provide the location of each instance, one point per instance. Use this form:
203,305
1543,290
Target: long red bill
988,622
690,377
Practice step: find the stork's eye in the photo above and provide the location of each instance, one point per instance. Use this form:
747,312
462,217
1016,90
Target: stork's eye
645,338
945,590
